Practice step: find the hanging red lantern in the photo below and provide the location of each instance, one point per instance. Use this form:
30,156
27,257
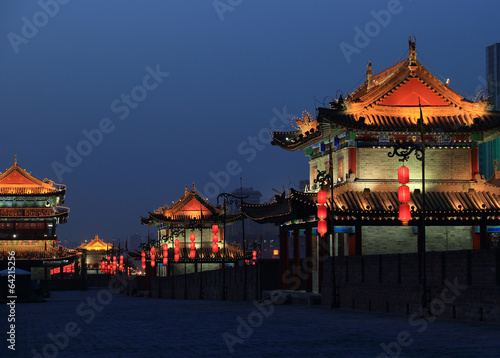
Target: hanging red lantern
165,247
153,257
192,237
215,238
143,259
215,229
176,242
192,245
254,253
143,254
143,265
403,175
321,212
176,250
192,253
109,258
404,213
176,258
215,248
121,257
322,197
153,251
165,253
153,263
165,260
322,228
404,194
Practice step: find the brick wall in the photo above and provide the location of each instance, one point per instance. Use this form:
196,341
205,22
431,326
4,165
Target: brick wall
461,284
379,240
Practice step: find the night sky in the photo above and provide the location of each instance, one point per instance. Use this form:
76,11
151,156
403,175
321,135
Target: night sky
172,92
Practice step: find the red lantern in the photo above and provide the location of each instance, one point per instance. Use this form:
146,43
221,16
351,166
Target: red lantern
254,253
153,251
192,237
165,253
165,247
153,263
322,212
143,259
215,229
322,229
143,254
403,175
322,197
153,257
165,260
192,254
176,250
143,265
404,213
192,245
109,258
176,258
404,194
176,242
215,248
215,238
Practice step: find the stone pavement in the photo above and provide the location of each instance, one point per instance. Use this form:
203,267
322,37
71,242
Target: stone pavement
96,323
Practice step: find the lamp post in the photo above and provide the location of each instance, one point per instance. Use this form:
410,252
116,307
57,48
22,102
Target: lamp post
230,199
404,150
324,178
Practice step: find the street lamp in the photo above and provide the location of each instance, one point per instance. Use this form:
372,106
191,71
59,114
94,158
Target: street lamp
404,150
230,199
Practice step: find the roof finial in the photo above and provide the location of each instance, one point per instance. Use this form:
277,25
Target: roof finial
15,159
412,52
369,74
193,188
186,190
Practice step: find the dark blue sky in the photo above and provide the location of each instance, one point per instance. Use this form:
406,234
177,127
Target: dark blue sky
86,65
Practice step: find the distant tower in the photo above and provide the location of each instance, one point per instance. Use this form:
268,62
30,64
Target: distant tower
490,151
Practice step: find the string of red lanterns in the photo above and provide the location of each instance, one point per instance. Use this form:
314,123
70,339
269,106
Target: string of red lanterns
165,254
322,213
143,259
404,195
176,250
215,238
153,257
192,246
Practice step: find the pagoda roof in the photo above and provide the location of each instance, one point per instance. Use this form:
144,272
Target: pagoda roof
354,203
190,208
297,205
394,99
16,180
309,133
96,245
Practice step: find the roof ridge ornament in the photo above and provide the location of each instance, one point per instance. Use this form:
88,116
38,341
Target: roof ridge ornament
369,75
15,159
412,54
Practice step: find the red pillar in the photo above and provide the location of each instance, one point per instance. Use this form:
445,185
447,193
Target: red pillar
296,258
474,161
284,260
355,242
352,152
309,258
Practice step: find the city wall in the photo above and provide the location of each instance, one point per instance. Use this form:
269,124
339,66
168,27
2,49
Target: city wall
462,285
